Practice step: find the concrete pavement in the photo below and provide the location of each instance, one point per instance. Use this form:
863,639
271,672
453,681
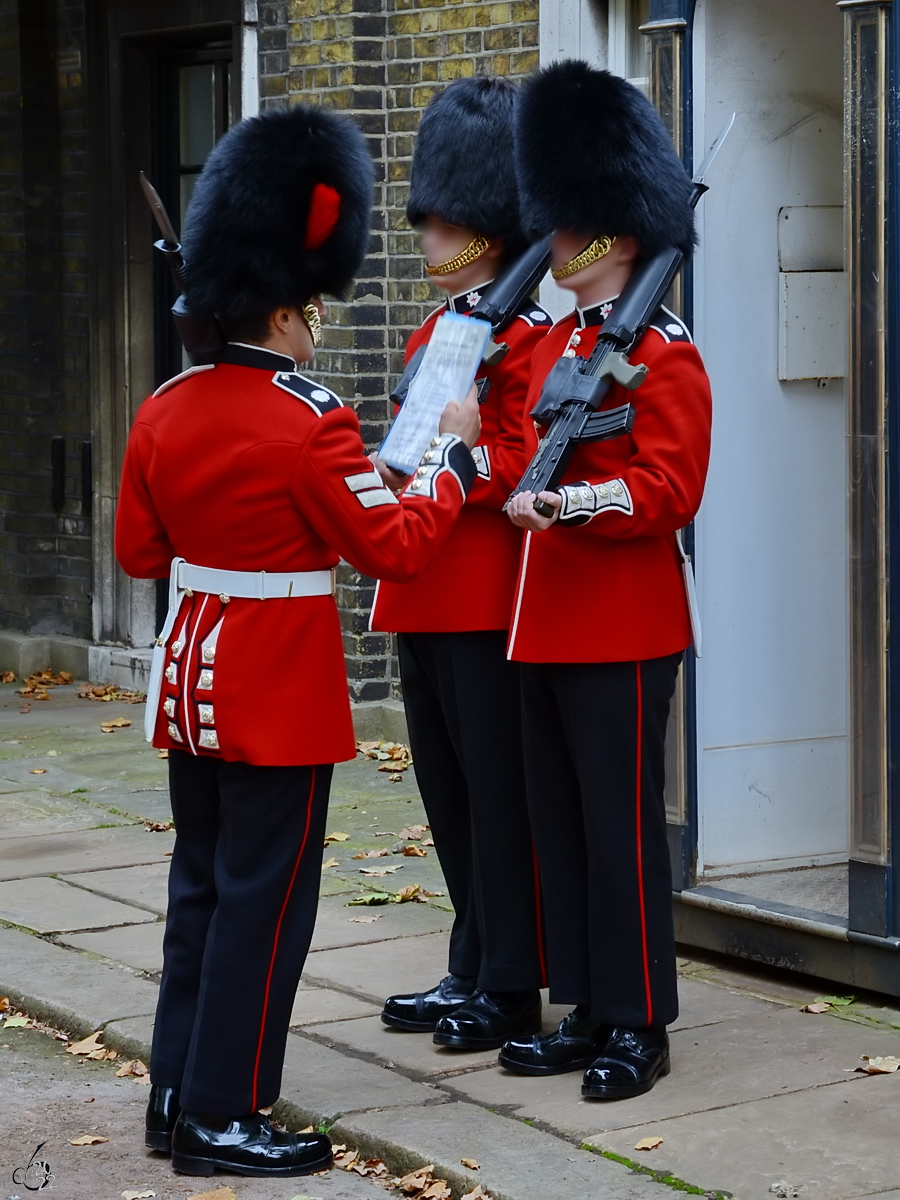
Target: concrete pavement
761,1094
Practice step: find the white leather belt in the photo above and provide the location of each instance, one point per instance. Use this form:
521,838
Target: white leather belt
253,585
185,579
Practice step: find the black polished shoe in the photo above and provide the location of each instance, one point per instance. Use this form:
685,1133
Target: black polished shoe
205,1142
162,1113
571,1047
630,1064
489,1019
419,1012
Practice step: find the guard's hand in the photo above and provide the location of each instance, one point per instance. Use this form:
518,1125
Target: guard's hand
521,511
463,419
392,479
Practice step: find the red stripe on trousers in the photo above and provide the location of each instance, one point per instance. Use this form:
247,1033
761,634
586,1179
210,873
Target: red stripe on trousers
538,920
640,855
287,896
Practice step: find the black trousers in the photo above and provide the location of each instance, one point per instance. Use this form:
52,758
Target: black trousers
463,706
243,891
595,764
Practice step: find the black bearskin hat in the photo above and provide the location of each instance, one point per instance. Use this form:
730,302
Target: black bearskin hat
280,213
463,168
593,155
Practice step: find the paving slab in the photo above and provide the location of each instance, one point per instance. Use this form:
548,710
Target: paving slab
703,1002
314,1005
322,1083
516,1161
414,1052
338,924
733,1062
380,969
67,989
95,849
832,1142
131,1037
145,885
37,811
51,906
138,946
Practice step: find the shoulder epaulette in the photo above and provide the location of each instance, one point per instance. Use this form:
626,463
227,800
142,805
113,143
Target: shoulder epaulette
170,383
533,314
671,328
320,399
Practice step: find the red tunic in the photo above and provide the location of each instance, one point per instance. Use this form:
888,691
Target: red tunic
604,583
470,584
248,466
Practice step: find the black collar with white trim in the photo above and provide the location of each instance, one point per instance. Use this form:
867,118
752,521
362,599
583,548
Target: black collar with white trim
596,314
241,354
466,301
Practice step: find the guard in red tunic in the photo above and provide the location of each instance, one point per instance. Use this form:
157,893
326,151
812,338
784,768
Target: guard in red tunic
245,482
461,694
601,614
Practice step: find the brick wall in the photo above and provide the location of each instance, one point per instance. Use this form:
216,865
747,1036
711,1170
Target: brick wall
380,61
45,556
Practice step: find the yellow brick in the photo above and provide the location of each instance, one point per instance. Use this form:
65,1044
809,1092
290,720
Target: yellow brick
482,16
336,6
455,44
273,85
430,21
343,27
322,30
460,18
524,10
449,69
421,96
345,77
429,70
304,56
426,47
528,60
302,8
406,23
337,52
499,14
500,64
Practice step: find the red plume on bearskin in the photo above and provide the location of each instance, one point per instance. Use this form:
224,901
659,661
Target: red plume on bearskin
281,213
593,155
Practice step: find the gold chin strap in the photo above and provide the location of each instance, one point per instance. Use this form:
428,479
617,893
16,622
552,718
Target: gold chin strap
314,321
596,250
473,251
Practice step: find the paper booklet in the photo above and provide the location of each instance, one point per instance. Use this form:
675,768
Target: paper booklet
447,372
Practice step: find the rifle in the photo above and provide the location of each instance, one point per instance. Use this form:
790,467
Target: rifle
499,306
201,337
576,387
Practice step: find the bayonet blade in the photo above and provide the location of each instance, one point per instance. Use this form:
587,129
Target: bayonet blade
170,237
714,149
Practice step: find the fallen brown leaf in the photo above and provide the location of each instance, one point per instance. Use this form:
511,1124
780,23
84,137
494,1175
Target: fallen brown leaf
364,920
4,1003
337,837
416,1180
222,1193
410,892
162,754
331,862
880,1065
413,833
414,852
648,1143
138,1195
159,826
135,1067
819,1007
380,872
88,1139
118,723
371,854
471,1164
39,771
438,1190
395,778
87,1045
428,842
345,1159
8,677
477,1193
